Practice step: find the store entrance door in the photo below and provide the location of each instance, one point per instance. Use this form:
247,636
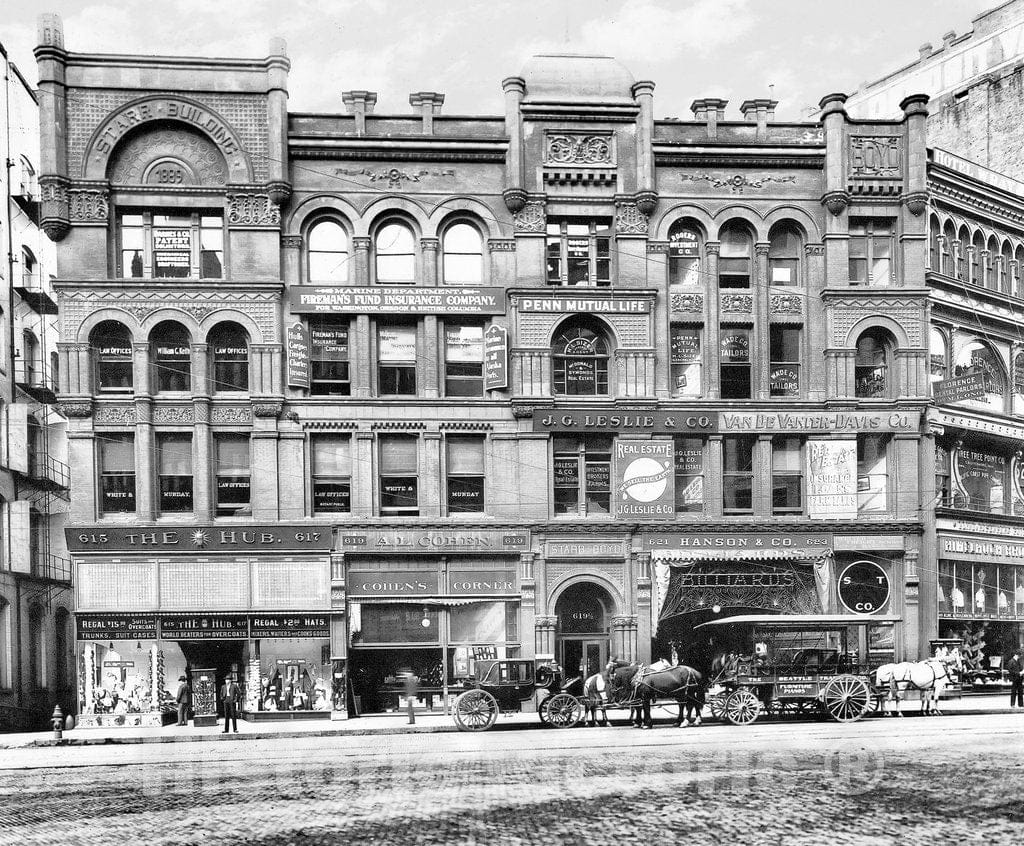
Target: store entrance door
224,657
583,657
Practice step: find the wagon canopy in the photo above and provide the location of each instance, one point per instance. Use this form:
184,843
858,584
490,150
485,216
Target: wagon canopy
802,620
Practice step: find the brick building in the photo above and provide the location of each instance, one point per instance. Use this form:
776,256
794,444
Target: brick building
356,393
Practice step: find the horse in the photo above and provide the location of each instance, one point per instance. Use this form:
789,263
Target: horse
682,683
930,677
595,696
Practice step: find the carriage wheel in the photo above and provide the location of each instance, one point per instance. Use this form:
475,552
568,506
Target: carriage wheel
742,707
563,710
716,704
542,709
475,710
846,698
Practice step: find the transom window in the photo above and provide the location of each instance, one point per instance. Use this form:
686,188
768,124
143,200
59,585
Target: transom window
328,252
395,254
871,251
580,361
173,244
579,252
462,255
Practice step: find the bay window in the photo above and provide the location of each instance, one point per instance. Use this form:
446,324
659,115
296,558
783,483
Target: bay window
582,475
171,244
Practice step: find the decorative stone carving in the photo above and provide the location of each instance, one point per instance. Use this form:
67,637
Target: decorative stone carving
835,201
814,249
175,414
120,415
267,409
501,245
198,157
646,201
916,202
761,248
279,192
432,244
230,414
734,303
202,411
785,304
687,302
53,195
75,408
564,148
657,247
291,242
875,157
908,312
252,210
736,183
515,199
522,411
198,312
88,205
394,176
629,220
531,218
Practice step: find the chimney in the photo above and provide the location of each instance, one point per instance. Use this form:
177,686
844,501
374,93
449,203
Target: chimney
711,110
429,103
50,30
924,51
360,104
948,38
761,111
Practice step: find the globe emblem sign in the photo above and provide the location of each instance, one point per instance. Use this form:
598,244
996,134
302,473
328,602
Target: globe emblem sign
645,479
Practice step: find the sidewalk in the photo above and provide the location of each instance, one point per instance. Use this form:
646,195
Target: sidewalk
380,725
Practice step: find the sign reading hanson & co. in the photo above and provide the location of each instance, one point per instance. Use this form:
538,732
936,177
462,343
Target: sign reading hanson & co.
384,299
736,540
194,538
428,540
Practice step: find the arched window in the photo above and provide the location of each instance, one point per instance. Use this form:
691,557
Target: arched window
395,254
170,350
328,252
871,364
992,264
462,255
111,344
684,254
735,257
938,356
229,344
579,356
934,244
1005,269
784,245
963,242
979,358
30,364
978,247
1018,271
949,250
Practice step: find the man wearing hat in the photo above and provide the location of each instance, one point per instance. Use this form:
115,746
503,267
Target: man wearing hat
181,697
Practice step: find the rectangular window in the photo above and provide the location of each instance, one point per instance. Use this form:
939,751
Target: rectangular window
685,361
579,252
582,475
689,470
396,358
784,352
328,357
332,474
738,474
175,465
465,474
463,360
943,479
173,244
871,251
233,475
872,473
787,475
735,363
399,475
117,473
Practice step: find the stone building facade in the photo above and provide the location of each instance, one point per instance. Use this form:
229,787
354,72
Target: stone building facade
361,393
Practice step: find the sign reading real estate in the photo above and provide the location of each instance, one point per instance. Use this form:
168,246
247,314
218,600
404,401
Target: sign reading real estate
495,358
832,479
384,299
298,356
966,387
644,480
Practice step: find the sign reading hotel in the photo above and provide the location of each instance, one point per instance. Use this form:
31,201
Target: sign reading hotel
589,305
644,480
819,421
426,540
383,299
832,479
737,541
165,539
967,387
625,420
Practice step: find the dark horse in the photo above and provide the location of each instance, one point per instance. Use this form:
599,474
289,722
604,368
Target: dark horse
636,682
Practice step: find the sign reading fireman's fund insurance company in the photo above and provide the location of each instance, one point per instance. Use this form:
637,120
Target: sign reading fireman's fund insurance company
385,299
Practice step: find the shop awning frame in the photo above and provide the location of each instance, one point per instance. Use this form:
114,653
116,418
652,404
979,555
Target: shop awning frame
695,554
802,620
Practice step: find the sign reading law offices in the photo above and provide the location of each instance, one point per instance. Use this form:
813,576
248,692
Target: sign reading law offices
165,539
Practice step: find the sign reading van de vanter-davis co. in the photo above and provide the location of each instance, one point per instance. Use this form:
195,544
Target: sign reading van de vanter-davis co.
384,299
644,482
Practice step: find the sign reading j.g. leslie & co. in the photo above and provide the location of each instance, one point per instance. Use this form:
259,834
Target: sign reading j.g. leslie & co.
427,540
624,420
193,538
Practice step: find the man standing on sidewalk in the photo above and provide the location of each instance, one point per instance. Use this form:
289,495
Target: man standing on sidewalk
231,695
1014,667
181,698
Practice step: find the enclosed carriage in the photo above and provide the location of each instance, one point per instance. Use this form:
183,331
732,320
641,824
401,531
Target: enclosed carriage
502,686
808,664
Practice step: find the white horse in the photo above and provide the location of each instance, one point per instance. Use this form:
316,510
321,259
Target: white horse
595,694
930,677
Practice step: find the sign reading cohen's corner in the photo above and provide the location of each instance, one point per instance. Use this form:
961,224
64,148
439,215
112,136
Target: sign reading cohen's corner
194,538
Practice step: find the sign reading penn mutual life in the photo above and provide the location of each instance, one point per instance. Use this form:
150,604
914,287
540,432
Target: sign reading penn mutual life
644,486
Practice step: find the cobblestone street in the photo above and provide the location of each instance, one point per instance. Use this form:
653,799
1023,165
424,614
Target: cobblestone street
938,780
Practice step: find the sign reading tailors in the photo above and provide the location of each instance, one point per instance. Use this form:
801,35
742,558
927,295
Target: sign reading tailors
966,387
115,626
644,481
204,626
288,625
864,587
426,540
383,299
298,356
832,479
192,538
495,358
624,420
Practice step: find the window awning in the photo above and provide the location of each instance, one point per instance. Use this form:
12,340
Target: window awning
743,554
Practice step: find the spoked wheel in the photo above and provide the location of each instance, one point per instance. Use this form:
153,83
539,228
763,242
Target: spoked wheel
846,698
563,710
542,709
475,710
716,703
742,707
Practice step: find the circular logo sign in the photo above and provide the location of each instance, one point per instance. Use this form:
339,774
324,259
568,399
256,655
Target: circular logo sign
864,587
645,479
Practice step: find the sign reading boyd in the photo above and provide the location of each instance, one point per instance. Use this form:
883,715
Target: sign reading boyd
644,482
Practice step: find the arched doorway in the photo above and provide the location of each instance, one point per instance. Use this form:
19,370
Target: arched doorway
583,613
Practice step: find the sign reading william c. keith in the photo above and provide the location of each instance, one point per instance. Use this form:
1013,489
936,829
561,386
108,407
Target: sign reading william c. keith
194,538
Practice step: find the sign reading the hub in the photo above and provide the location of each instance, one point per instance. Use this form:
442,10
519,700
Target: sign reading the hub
115,626
864,587
644,481
204,626
426,540
192,538
288,625
383,299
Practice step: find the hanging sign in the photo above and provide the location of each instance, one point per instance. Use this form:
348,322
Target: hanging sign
298,356
864,588
495,358
966,387
644,480
832,479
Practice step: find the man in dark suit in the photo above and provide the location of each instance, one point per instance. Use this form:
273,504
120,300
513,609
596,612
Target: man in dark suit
231,695
1014,668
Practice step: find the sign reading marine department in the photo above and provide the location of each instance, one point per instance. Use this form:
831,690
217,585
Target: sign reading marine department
384,299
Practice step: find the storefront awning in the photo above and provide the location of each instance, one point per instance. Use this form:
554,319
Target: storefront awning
743,554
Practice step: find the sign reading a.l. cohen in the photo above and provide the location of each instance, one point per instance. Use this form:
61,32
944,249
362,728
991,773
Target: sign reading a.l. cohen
644,482
384,299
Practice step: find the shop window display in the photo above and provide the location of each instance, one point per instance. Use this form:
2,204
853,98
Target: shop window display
294,675
122,684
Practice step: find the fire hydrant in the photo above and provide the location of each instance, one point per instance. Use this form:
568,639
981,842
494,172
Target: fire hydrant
57,720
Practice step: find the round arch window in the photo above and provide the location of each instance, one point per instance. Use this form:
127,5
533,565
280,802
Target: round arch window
580,360
462,248
328,252
395,254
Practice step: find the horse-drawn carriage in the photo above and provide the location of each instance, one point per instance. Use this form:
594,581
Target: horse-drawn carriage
807,664
504,685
